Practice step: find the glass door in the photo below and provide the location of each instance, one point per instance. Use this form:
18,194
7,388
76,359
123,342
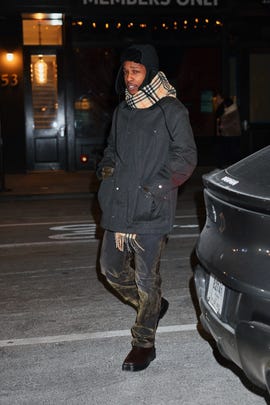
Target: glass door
46,132
44,95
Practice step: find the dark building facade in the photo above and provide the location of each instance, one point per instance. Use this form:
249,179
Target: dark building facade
58,61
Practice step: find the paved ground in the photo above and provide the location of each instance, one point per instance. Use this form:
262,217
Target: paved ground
63,335
49,183
59,183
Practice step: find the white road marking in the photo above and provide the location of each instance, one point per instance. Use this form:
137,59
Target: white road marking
15,224
73,232
79,232
89,336
184,236
64,242
52,243
186,226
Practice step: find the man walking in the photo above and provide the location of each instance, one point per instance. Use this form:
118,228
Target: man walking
150,152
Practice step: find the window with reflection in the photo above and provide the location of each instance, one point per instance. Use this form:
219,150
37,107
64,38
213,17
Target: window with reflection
95,98
42,29
44,91
259,87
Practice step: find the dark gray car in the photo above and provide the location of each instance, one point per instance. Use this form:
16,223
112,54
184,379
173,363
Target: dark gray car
233,278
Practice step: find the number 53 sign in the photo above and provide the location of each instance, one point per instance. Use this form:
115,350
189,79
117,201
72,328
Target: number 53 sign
11,80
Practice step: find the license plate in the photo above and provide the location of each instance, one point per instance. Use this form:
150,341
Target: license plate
215,295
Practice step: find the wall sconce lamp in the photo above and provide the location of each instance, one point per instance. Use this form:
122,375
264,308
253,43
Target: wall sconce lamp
9,56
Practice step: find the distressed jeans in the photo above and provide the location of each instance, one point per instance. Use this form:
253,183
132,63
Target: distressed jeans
136,278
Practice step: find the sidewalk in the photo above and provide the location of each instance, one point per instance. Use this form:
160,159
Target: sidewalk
54,184
49,184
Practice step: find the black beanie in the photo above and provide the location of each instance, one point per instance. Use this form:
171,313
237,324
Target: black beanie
138,53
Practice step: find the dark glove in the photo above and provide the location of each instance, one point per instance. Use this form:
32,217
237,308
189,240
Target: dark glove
106,171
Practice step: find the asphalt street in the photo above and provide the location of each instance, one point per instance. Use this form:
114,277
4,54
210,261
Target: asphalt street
64,335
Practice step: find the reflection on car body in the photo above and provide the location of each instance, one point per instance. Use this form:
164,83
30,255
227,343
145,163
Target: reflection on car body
233,276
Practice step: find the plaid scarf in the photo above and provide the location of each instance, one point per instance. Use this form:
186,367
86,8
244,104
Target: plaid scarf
151,93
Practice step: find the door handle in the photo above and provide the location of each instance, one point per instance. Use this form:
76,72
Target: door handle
61,131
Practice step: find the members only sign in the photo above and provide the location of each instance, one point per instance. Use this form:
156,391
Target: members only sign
183,3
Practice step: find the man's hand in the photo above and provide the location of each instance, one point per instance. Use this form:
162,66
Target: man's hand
106,171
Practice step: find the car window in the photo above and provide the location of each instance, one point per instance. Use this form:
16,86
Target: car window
253,169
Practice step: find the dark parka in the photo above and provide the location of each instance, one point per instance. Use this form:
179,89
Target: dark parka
152,151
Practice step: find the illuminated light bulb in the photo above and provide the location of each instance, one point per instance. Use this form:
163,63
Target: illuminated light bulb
84,157
10,56
41,71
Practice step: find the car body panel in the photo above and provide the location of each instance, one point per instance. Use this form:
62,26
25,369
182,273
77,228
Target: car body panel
232,278
246,183
235,245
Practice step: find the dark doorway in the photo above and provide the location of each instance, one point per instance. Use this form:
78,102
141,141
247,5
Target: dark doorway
45,112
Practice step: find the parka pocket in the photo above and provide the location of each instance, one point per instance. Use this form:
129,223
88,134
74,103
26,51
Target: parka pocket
142,207
148,208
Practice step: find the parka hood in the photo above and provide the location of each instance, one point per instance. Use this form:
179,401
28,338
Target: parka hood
138,53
